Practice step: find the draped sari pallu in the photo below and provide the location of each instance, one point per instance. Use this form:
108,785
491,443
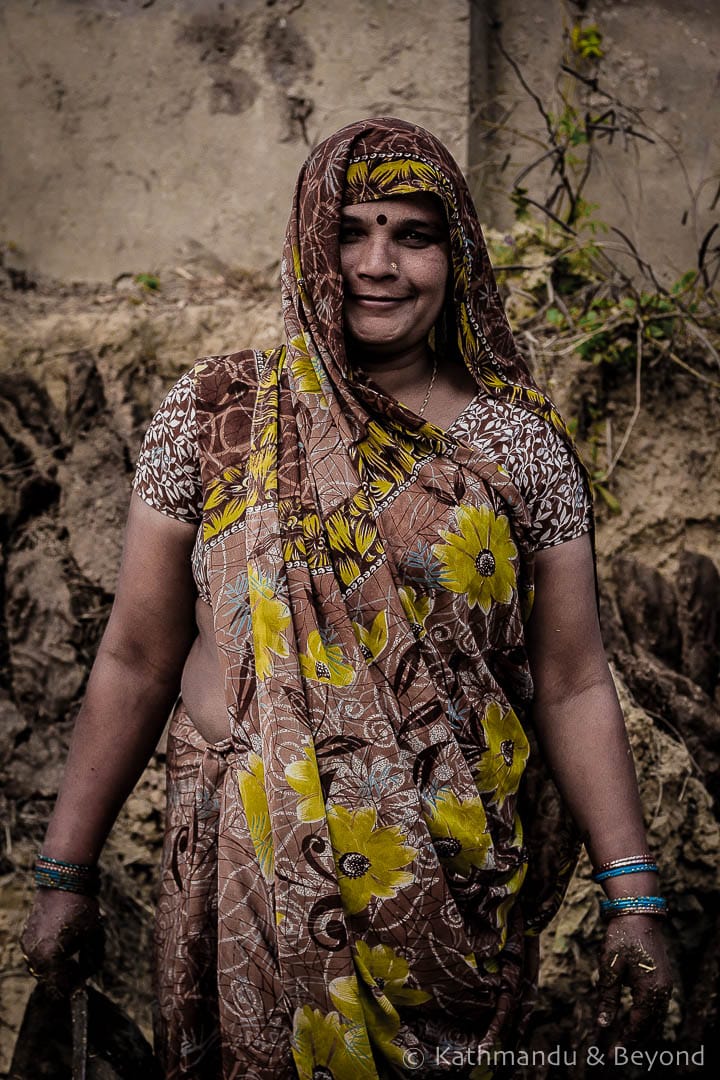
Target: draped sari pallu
370,580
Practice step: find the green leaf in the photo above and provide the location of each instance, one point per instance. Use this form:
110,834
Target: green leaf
519,199
148,281
608,498
689,278
587,41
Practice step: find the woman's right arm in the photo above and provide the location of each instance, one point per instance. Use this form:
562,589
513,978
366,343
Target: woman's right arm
133,684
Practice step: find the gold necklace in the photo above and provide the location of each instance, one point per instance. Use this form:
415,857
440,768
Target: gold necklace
428,392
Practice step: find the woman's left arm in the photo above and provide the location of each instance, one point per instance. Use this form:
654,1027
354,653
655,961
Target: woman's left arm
582,733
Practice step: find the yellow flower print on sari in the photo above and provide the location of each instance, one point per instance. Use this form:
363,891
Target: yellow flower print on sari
503,763
459,831
381,968
290,514
270,617
417,608
263,456
371,1016
297,269
482,1072
262,467
324,663
226,501
466,335
266,406
372,999
469,347
395,177
401,176
369,859
304,778
319,1048
477,561
315,544
373,641
513,888
304,369
254,799
384,454
354,543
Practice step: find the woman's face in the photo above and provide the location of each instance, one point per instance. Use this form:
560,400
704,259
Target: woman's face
395,258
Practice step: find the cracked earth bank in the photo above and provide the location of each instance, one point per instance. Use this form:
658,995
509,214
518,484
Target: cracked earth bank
81,370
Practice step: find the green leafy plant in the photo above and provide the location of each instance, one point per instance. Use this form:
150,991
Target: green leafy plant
565,292
586,41
151,282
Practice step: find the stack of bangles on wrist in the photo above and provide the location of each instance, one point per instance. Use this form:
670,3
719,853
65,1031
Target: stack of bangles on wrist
80,878
630,905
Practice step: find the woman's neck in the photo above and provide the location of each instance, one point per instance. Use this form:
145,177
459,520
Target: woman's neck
397,372
407,378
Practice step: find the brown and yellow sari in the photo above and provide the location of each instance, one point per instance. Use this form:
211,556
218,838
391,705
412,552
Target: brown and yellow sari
350,888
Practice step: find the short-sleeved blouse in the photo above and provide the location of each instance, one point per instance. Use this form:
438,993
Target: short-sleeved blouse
538,459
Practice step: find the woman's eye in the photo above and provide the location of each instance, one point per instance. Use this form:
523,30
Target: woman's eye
415,237
348,234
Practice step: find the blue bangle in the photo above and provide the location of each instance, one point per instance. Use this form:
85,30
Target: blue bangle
631,868
79,878
634,905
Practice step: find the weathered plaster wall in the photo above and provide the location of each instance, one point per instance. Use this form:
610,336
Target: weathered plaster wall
662,58
136,132
133,130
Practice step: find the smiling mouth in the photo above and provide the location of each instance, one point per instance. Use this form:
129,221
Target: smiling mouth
379,299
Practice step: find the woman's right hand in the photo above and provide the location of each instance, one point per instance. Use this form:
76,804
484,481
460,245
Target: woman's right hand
63,939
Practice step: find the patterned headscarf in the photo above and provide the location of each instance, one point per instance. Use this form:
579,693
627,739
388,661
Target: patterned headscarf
388,575
378,159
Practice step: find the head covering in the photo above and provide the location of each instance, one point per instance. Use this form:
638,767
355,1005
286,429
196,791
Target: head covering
388,574
378,159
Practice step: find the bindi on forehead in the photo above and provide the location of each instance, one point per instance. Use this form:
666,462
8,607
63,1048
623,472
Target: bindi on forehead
381,219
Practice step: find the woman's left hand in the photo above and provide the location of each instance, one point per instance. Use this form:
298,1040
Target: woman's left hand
633,955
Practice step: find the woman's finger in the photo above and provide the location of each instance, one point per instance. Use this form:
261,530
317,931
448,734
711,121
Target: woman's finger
609,988
649,1007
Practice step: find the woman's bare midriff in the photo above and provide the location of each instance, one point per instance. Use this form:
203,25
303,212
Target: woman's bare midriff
202,681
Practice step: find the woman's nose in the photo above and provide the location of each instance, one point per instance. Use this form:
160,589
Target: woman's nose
375,258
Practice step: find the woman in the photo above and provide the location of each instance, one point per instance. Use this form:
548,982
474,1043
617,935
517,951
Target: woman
353,873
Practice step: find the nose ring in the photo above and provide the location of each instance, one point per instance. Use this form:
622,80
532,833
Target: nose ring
394,267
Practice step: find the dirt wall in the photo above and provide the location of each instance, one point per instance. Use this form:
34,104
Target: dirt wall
81,371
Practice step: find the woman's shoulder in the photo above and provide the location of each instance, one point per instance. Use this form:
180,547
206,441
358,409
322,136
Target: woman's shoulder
542,463
505,425
217,376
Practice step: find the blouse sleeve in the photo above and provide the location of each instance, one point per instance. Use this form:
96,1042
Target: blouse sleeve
540,461
557,492
167,476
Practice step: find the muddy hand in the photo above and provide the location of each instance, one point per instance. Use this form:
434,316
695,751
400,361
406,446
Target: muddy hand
63,939
633,955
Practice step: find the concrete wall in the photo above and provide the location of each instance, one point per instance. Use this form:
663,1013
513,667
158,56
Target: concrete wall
137,132
133,130
661,59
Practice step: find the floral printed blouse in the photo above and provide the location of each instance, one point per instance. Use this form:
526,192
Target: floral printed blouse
534,454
